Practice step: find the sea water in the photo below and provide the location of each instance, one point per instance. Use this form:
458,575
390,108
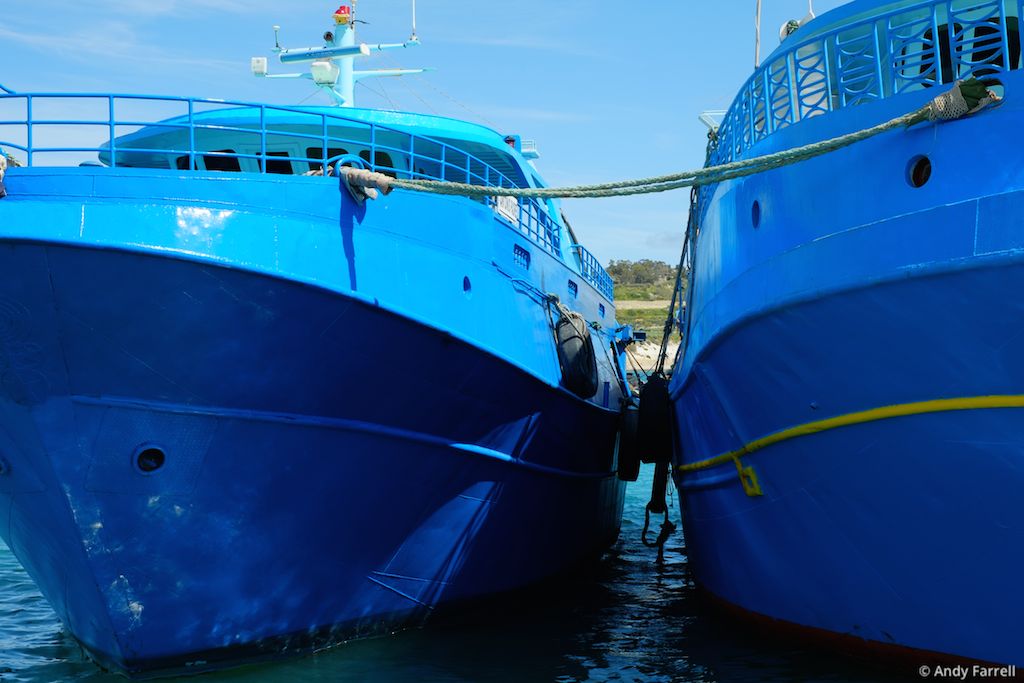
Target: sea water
624,619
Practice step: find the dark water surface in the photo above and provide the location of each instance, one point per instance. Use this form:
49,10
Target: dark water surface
627,619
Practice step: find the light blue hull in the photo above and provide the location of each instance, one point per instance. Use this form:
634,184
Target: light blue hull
856,292
350,442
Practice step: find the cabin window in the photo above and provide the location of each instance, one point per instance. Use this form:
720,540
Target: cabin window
279,165
520,256
988,38
382,162
318,153
574,289
945,73
1013,37
221,163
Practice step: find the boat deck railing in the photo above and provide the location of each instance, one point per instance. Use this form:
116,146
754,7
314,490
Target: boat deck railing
915,46
593,272
62,129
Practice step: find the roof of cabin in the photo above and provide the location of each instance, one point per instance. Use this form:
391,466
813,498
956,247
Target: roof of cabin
482,142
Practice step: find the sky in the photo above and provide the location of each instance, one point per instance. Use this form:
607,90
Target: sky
610,91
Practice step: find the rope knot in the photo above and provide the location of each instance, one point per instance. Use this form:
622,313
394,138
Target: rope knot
364,184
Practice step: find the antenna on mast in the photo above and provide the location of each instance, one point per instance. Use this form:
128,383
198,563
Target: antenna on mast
332,65
757,38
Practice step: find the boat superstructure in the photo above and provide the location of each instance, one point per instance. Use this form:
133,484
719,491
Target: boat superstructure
243,413
851,341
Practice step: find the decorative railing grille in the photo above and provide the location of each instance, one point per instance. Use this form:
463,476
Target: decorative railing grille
912,47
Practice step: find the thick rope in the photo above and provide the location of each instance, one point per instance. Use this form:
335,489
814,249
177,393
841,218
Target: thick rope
944,107
858,418
670,320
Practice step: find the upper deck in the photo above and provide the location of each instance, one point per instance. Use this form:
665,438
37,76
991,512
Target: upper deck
867,51
187,135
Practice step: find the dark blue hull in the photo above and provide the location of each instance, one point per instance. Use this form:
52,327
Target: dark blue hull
901,532
332,469
854,340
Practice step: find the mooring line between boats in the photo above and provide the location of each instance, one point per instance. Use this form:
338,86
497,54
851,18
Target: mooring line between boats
963,99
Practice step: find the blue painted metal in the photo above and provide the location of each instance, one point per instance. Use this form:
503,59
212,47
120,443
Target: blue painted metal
360,407
857,290
402,144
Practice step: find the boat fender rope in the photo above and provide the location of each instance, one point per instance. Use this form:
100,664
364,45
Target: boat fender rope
657,505
945,107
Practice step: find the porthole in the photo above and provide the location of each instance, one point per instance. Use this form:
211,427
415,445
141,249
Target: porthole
149,459
467,286
755,214
919,171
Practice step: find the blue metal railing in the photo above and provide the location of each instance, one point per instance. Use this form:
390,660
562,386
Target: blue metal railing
911,47
196,131
593,272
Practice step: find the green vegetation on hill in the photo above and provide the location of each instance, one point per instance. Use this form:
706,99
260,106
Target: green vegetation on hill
644,272
644,280
658,291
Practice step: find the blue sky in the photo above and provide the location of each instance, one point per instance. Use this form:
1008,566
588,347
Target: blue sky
608,90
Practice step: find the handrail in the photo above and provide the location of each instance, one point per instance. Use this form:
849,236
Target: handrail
888,53
594,273
427,157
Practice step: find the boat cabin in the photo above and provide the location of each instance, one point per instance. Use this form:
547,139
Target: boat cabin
296,142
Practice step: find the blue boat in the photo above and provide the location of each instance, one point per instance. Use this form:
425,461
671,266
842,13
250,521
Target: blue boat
852,326
245,411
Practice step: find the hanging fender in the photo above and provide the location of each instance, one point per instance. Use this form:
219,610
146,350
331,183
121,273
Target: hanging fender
576,354
655,429
629,453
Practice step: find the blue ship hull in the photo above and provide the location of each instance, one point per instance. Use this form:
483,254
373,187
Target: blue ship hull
350,441
853,339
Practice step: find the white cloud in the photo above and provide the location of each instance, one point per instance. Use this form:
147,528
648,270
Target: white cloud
110,39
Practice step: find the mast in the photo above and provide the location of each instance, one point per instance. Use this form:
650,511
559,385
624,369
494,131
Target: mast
332,66
757,35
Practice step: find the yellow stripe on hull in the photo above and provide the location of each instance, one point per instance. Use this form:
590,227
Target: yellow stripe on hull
873,415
